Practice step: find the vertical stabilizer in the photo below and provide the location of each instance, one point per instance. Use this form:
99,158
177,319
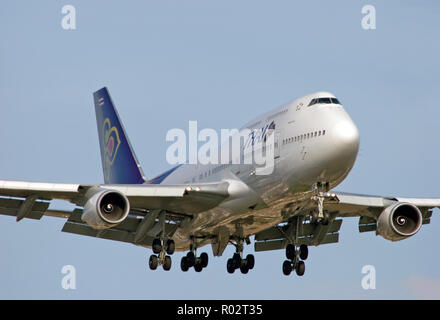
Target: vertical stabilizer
119,162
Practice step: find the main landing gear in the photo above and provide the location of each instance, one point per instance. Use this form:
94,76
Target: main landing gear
163,250
191,259
237,261
294,255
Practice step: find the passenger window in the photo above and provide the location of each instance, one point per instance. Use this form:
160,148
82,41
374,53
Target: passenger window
323,132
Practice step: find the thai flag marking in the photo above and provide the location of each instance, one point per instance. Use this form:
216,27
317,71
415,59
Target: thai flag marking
101,102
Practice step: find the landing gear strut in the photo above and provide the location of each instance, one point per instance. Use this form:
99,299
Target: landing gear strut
320,215
237,261
191,259
294,255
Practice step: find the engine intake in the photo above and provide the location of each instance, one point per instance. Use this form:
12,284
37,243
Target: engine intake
399,221
105,208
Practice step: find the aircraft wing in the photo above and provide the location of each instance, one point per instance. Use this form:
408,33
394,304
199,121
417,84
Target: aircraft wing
179,198
32,199
352,205
339,205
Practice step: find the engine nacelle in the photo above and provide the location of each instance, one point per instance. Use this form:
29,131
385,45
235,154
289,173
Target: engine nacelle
399,221
105,208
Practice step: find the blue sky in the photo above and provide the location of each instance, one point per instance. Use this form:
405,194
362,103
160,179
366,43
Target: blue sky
220,63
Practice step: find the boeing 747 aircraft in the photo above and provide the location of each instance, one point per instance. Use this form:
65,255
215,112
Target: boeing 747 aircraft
190,206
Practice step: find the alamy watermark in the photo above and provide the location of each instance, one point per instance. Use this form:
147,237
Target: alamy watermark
247,146
68,282
369,280
368,21
68,22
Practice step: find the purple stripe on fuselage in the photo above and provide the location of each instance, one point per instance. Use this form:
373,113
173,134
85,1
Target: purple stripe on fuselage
162,177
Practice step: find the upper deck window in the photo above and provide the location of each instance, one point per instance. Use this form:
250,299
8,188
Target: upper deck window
324,101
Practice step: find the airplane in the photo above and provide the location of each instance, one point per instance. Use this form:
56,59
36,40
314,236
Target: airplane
192,205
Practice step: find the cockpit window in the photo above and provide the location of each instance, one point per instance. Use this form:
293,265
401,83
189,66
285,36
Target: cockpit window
324,101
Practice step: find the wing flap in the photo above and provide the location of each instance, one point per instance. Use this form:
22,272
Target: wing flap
282,243
110,234
11,207
278,237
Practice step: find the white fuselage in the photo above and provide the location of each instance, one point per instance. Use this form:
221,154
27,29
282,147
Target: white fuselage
313,144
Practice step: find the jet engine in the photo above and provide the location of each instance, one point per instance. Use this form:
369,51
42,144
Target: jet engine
399,221
105,208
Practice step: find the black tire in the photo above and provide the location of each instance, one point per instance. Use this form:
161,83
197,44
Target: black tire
157,246
250,261
191,258
300,268
153,262
184,264
204,259
230,265
244,268
171,247
237,260
167,263
287,267
198,267
303,252
290,252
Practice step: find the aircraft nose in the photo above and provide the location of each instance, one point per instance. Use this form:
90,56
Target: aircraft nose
346,137
345,145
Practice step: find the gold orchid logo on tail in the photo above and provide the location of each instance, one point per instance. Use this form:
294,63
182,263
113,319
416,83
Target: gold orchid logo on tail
111,142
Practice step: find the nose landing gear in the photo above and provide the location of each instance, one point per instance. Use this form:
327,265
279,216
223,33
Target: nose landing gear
320,215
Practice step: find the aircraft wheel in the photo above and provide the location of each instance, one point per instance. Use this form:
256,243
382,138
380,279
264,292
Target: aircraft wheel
167,263
287,267
153,262
230,265
171,247
204,259
157,246
237,260
250,261
198,267
290,252
191,258
300,268
184,264
303,252
244,268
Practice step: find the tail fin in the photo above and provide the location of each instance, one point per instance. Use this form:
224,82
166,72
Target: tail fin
119,162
